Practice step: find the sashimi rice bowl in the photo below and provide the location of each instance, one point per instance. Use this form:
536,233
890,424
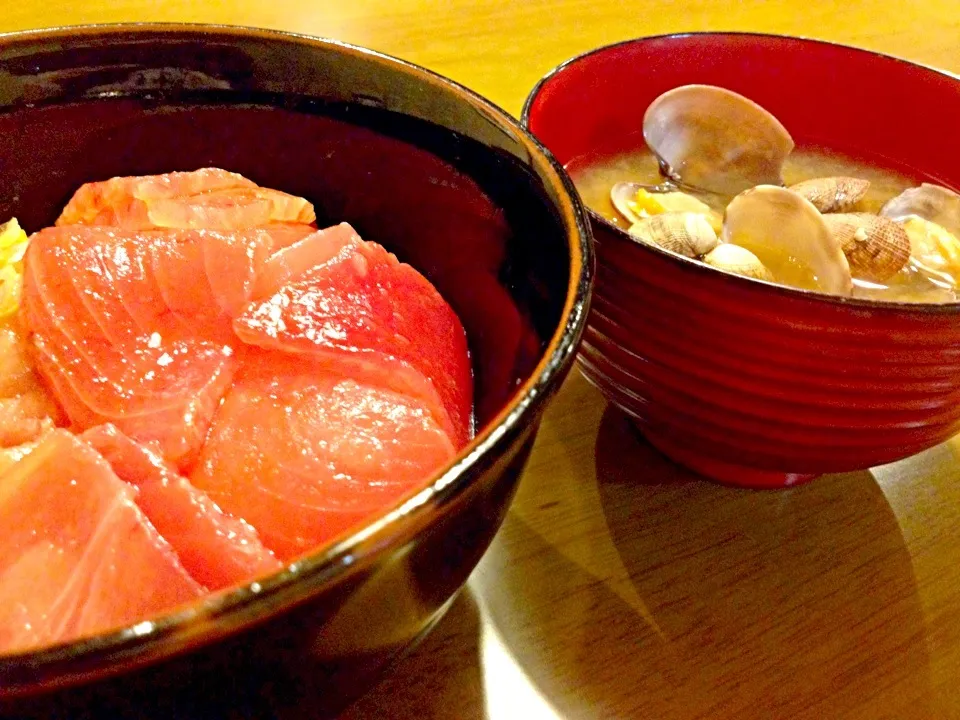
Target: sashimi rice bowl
271,360
203,386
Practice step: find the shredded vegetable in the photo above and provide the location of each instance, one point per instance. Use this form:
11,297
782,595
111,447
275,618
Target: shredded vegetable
13,245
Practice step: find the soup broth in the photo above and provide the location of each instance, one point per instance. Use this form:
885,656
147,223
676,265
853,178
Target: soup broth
594,176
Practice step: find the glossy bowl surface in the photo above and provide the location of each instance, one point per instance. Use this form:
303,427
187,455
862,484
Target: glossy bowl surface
441,177
744,381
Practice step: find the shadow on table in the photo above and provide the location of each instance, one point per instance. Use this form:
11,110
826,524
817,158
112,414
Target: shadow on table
678,598
440,678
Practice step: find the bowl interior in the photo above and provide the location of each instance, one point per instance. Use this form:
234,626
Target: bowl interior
469,215
435,174
868,106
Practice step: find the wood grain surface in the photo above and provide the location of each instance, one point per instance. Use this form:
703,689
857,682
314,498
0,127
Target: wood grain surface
622,586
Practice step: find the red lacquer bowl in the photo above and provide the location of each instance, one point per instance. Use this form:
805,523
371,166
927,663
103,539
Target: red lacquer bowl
747,382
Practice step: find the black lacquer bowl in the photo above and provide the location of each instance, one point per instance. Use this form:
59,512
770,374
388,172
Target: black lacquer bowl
442,178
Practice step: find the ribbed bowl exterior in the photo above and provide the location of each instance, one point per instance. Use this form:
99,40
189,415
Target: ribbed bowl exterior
747,382
741,373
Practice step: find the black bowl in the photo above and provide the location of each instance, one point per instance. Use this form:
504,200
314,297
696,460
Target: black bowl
443,178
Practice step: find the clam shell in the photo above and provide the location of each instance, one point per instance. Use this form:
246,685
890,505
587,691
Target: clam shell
876,247
715,139
624,194
737,260
934,251
789,236
930,202
906,286
688,234
833,194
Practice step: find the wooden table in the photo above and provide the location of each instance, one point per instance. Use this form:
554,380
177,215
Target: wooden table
620,585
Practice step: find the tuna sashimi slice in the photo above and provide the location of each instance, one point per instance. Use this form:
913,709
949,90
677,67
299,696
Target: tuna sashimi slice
296,259
173,407
207,198
77,556
107,342
130,283
216,549
304,454
360,306
285,234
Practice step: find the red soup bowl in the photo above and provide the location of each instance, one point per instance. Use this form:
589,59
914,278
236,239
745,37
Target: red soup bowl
444,179
747,382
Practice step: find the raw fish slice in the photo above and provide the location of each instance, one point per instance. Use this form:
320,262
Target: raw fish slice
144,374
169,282
192,381
232,209
50,298
364,308
207,198
163,386
294,260
181,275
216,549
304,454
108,267
126,199
94,195
95,260
195,382
125,265
9,456
233,263
207,277
29,588
232,267
58,310
57,374
171,403
115,287
77,556
223,209
285,234
287,208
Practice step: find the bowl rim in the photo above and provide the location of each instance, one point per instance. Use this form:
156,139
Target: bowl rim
946,308
226,612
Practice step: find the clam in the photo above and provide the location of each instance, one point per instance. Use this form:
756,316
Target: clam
636,201
685,233
876,247
738,260
934,250
833,194
714,139
789,236
930,202
911,284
